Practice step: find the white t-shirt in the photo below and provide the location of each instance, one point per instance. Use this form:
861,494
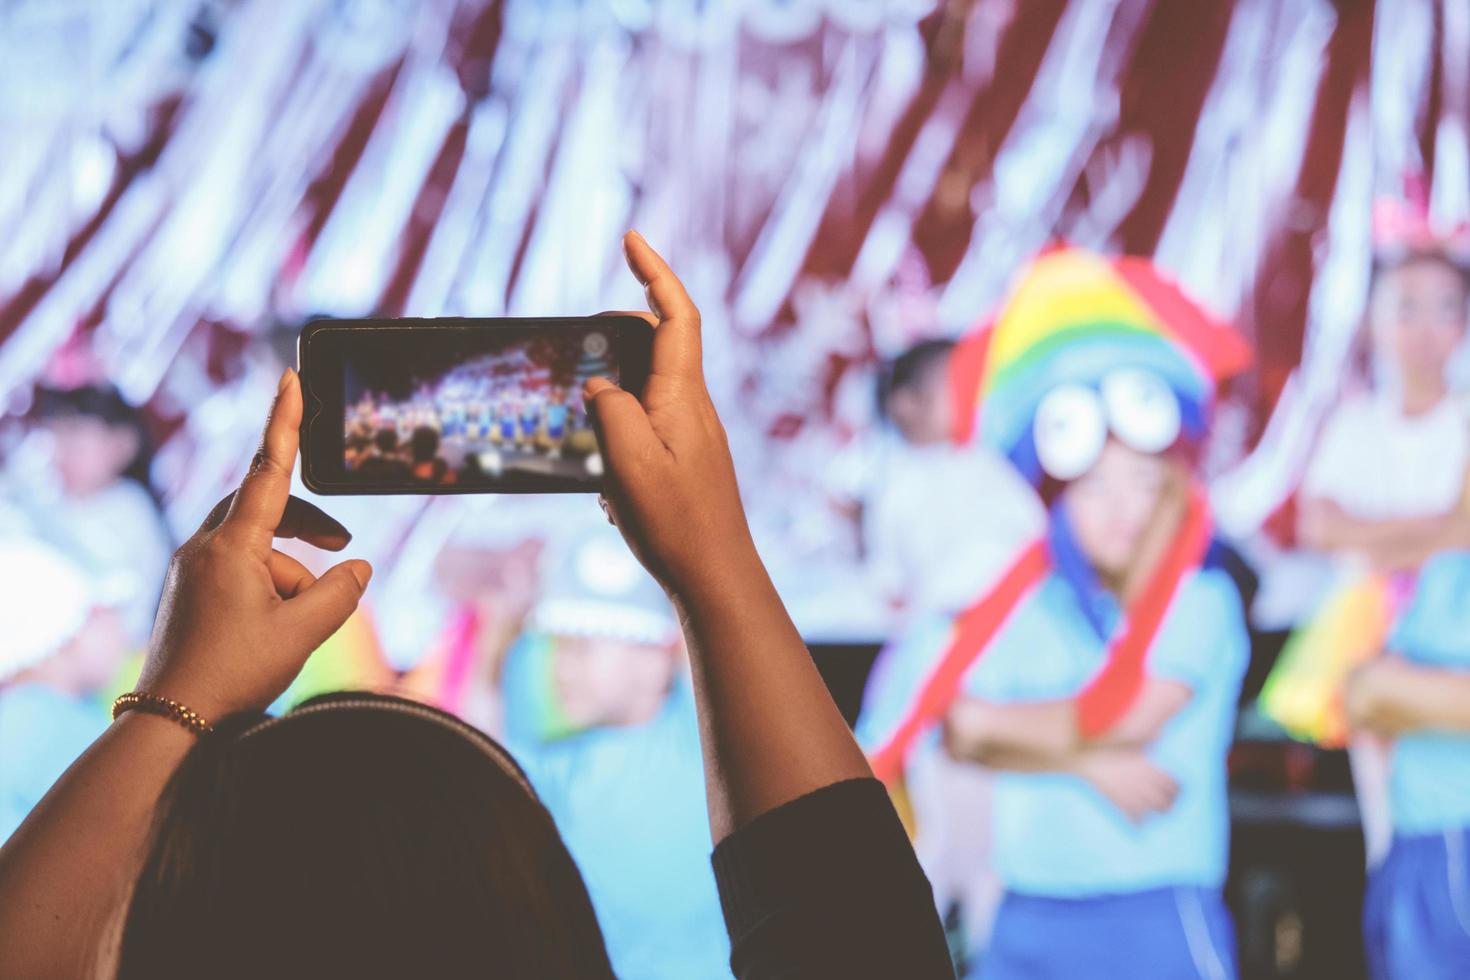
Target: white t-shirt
942,523
1377,463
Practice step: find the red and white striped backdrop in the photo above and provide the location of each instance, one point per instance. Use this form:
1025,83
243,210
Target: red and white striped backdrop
834,178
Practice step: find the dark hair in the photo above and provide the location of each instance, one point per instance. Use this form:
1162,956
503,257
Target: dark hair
104,404
425,443
910,369
386,440
359,835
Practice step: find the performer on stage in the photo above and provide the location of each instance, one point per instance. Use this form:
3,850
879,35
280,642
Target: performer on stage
941,522
1102,671
1387,492
1386,487
557,413
1416,920
61,641
599,710
530,419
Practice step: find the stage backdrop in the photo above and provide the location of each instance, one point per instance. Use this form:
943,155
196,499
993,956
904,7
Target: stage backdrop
183,182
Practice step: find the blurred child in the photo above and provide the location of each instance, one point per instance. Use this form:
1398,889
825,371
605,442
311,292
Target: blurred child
101,510
60,643
556,421
1101,671
599,710
1385,488
941,521
1387,480
1416,920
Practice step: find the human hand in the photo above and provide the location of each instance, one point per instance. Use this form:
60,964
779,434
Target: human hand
238,618
965,730
671,485
1371,696
1129,781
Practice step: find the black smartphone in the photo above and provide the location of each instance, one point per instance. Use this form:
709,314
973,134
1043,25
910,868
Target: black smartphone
460,405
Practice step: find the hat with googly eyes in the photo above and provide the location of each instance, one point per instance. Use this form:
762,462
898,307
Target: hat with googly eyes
1087,347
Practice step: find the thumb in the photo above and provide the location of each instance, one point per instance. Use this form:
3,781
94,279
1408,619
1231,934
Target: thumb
321,608
622,426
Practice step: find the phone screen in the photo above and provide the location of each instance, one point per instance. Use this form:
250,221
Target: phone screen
460,406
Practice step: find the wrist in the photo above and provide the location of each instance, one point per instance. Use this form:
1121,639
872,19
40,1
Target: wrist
198,695
156,729
735,577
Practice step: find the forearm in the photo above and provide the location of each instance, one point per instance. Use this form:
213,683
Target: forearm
1418,699
1037,735
769,728
1410,554
66,871
1048,734
1326,526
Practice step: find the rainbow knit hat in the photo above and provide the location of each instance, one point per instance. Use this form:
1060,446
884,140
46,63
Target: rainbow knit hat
1071,318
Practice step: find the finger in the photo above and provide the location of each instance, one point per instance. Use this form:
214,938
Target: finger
288,575
321,608
622,428
677,349
308,522
260,503
302,520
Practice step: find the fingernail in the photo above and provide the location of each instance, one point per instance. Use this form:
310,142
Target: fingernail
285,380
363,572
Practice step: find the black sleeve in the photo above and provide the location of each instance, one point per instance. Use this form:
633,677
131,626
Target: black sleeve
828,886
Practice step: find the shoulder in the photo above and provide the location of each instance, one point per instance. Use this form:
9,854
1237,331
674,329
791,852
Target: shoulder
1039,650
1436,625
1210,592
1204,635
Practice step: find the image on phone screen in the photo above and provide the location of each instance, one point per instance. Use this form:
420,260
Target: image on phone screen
431,410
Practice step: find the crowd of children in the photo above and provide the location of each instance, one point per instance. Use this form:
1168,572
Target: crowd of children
1097,678
1055,712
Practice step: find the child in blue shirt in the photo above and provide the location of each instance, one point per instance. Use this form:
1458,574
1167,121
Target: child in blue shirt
1417,911
599,710
1100,675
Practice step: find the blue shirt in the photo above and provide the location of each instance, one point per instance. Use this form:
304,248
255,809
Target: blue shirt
1429,775
1055,835
42,731
630,804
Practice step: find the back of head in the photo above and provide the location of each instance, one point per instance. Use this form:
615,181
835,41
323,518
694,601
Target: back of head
912,392
358,836
424,443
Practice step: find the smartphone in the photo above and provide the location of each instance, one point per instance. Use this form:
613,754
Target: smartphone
452,405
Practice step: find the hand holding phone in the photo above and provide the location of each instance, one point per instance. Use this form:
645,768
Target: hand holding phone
460,405
671,484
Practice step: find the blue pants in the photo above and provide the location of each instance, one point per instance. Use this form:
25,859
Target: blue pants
1416,916
1161,934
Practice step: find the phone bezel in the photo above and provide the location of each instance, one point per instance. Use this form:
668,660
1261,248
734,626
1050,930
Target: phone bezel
319,360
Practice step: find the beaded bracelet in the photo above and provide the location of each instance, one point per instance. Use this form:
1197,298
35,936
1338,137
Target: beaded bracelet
153,704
